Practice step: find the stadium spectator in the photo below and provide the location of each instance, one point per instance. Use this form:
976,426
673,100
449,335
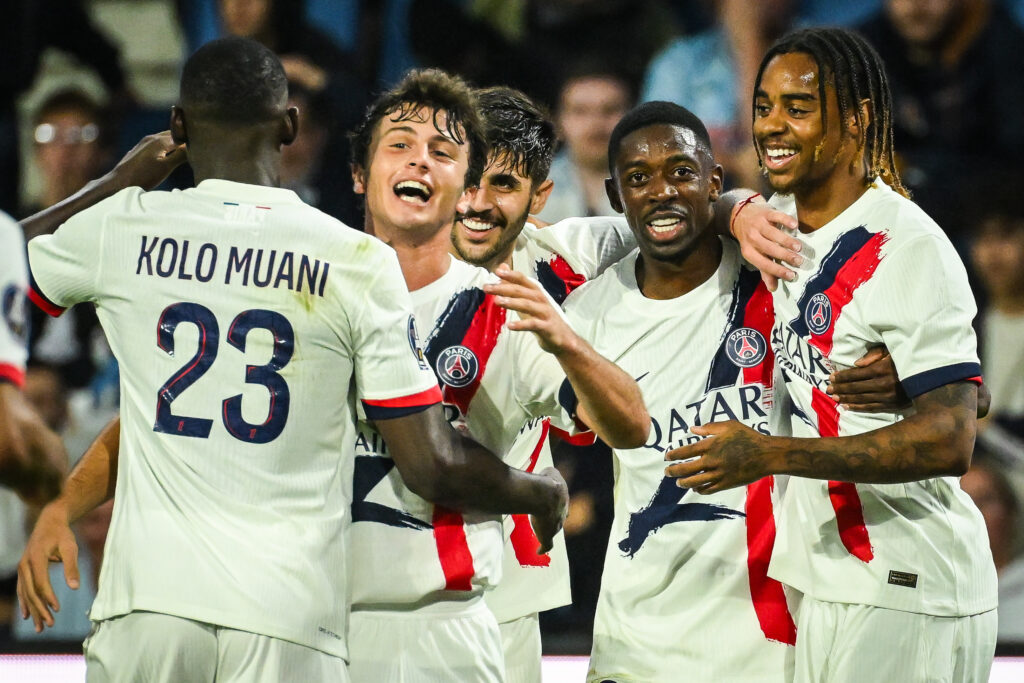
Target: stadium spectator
70,148
955,70
997,254
991,486
591,101
28,28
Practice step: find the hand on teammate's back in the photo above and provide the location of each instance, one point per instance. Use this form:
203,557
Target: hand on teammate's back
548,525
149,162
871,386
51,541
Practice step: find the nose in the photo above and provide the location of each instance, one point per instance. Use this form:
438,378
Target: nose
769,122
420,156
662,188
480,200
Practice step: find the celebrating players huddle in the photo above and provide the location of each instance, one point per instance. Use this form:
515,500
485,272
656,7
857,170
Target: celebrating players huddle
356,482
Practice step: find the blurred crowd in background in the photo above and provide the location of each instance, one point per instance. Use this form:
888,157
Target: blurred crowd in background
83,80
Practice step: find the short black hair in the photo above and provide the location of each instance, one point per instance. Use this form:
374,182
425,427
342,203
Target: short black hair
234,81
650,114
438,91
519,131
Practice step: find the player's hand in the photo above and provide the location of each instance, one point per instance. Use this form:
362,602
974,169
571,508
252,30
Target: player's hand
731,457
51,541
537,313
764,244
546,526
871,386
149,162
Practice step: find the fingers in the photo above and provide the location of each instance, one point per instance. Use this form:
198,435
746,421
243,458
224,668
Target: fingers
770,281
69,553
766,264
870,373
32,603
701,482
873,355
685,468
874,385
869,407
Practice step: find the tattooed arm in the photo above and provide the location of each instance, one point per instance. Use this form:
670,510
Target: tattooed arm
937,440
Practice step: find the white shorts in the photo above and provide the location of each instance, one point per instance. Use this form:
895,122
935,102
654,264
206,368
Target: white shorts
432,644
520,639
151,647
842,643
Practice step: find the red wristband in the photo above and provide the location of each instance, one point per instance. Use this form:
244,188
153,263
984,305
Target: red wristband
739,207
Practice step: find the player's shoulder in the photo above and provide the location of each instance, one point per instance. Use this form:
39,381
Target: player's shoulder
619,277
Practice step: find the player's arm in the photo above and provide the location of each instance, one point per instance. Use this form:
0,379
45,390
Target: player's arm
90,484
609,400
444,467
873,386
146,165
935,441
746,216
32,458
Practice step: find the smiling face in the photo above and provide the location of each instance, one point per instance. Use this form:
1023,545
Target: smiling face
415,175
664,182
799,153
496,212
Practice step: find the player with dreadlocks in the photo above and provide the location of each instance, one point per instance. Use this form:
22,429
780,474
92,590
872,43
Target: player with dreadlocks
887,555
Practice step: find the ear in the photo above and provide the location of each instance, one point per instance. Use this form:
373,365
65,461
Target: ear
178,133
358,179
290,126
540,196
717,181
612,190
866,113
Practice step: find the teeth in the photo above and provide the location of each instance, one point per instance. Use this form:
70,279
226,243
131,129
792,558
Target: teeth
661,225
416,186
775,153
474,224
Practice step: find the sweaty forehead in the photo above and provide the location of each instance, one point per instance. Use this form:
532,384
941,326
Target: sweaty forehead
658,141
791,71
423,119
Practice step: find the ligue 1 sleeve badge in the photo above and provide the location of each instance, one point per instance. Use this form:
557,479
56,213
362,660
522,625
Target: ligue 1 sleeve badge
746,347
414,344
818,314
457,366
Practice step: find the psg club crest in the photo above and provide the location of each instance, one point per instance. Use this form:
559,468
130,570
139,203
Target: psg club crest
818,314
457,366
15,313
414,344
746,347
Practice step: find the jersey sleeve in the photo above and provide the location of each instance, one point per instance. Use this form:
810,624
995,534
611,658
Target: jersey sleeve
392,375
65,267
14,323
923,306
587,245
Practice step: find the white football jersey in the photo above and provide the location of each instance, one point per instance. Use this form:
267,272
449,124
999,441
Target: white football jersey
408,551
685,593
880,273
560,257
235,470
13,287
14,322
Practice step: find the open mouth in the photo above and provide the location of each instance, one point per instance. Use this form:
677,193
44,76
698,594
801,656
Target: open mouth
777,157
413,191
665,225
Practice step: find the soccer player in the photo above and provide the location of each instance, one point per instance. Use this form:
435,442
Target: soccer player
684,592
228,554
424,618
493,230
889,555
32,457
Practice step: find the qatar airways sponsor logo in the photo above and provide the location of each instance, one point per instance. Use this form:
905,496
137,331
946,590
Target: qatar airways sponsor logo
797,357
749,404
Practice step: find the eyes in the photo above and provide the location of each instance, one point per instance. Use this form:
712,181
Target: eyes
761,110
439,151
683,173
